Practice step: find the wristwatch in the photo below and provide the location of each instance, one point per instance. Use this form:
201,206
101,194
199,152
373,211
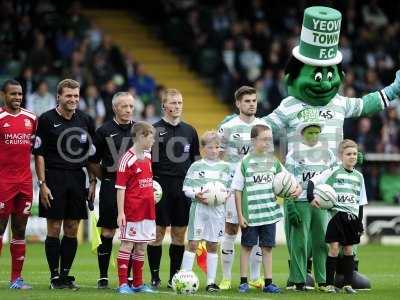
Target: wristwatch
40,182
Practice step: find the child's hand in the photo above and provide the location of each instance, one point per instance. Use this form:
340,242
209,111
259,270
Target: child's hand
242,222
121,221
315,202
296,193
201,198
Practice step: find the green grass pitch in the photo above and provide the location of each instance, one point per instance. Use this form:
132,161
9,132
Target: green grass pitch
380,263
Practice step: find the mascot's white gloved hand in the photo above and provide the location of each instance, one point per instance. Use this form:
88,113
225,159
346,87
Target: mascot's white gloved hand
393,91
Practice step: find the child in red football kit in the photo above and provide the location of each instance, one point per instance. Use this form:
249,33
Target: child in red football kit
136,207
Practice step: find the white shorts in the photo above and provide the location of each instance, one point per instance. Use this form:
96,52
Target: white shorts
139,232
206,222
230,210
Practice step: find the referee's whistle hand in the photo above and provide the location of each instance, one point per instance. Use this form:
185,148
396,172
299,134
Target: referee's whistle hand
45,196
91,193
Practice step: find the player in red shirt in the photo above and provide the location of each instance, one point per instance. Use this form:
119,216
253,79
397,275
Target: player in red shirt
17,129
136,207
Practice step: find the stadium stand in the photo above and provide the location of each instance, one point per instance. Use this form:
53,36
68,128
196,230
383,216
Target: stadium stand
231,43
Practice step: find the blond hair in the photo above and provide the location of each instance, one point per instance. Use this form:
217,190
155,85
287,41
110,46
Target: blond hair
141,128
67,83
209,137
168,93
347,143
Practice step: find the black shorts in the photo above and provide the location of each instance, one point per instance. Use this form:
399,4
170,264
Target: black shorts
108,210
343,228
263,235
173,208
68,188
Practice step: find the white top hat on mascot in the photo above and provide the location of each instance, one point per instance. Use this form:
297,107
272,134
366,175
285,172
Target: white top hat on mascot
319,38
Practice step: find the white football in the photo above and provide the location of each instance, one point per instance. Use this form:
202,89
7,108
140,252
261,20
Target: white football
327,195
284,184
221,193
185,282
215,192
157,189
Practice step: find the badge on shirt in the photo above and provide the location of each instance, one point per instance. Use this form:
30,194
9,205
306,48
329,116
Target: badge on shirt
186,148
38,142
83,138
28,123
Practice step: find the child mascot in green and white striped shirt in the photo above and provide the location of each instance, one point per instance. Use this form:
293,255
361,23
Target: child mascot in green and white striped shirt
256,204
306,160
205,222
345,227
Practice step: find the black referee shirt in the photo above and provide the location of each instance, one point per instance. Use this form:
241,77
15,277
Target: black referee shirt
175,148
111,140
64,144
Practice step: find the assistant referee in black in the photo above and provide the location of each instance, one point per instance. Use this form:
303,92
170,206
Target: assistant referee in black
176,147
62,147
111,140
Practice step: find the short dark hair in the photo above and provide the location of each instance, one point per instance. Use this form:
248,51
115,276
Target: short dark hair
244,90
7,83
256,129
67,83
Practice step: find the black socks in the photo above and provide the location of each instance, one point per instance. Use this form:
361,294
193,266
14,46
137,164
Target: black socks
103,255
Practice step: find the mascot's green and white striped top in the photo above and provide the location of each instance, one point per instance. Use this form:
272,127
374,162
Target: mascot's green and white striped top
292,112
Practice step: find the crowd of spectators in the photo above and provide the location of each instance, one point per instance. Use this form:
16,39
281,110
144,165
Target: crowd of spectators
44,41
249,42
232,43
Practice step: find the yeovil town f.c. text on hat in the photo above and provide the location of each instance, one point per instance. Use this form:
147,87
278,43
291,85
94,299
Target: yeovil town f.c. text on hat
319,37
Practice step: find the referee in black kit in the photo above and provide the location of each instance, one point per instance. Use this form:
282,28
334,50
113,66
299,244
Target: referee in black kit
111,140
62,146
175,149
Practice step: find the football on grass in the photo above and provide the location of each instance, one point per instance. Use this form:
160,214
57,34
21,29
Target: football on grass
185,282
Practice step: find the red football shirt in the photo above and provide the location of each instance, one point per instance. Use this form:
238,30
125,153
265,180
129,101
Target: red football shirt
16,136
136,178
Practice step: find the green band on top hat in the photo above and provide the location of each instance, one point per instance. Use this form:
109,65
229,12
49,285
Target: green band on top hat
321,53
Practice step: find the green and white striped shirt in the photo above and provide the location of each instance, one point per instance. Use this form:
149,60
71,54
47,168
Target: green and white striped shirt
203,171
254,176
292,111
235,139
305,162
349,186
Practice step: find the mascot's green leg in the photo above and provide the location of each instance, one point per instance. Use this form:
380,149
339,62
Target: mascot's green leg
319,222
287,225
299,244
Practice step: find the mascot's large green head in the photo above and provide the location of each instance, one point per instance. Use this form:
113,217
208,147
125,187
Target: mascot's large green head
314,73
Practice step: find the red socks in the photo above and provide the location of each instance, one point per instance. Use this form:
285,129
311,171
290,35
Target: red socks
17,250
123,261
137,266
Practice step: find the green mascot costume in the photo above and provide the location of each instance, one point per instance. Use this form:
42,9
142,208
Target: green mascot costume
313,76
